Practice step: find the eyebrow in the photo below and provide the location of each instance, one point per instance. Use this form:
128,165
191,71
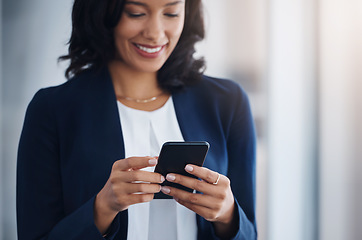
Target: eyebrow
145,5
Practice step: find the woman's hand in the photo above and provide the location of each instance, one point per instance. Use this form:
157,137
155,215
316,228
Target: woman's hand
216,204
127,185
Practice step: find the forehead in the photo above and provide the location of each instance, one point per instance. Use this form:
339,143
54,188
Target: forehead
154,3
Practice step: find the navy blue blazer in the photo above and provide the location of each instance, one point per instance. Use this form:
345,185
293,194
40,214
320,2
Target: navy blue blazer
72,136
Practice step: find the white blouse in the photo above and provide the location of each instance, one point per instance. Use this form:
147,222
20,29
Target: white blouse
144,133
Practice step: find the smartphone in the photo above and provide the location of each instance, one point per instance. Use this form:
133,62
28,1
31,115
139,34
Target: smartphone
173,158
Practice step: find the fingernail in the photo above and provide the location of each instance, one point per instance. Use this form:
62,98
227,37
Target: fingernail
165,190
162,178
189,168
152,161
170,177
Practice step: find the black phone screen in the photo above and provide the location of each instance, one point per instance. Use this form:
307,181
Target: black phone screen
173,158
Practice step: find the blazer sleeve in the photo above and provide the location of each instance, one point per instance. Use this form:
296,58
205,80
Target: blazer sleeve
40,206
241,144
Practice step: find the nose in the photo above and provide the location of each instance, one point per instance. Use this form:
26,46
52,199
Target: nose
154,29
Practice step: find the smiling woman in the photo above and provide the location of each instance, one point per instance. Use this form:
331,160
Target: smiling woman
89,147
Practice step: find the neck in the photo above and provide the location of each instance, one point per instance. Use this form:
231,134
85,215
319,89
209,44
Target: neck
133,84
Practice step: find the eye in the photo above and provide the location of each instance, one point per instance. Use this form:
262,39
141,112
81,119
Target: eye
135,15
171,15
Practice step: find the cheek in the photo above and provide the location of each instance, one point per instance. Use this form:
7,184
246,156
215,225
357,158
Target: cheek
124,31
175,30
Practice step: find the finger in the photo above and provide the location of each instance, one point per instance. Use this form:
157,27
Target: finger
205,174
139,198
193,198
141,176
135,163
192,183
142,188
204,212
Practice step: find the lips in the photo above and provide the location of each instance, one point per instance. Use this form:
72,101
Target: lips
149,51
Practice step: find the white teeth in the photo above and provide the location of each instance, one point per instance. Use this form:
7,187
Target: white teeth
149,50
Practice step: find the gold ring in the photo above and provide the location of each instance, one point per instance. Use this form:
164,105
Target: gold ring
217,180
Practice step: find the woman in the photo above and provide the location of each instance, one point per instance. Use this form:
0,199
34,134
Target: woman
84,170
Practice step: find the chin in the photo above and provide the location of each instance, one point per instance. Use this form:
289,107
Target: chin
149,68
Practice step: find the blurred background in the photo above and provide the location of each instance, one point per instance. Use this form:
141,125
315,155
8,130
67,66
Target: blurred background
300,62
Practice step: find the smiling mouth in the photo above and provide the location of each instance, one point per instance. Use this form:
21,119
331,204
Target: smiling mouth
149,49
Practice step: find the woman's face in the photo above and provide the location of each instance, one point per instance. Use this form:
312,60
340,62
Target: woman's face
148,32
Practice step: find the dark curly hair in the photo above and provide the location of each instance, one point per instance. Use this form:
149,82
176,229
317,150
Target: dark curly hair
91,45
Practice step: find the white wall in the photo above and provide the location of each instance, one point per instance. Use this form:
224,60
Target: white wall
292,120
340,122
34,35
1,117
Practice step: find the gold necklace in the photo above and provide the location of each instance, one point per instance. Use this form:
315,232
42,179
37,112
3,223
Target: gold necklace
141,100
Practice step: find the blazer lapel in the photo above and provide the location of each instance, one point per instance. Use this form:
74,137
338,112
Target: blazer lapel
189,115
104,114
